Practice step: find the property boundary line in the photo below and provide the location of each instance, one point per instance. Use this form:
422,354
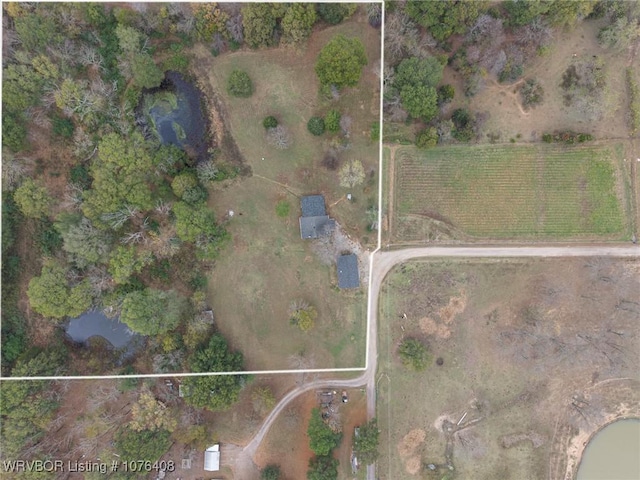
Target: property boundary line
289,371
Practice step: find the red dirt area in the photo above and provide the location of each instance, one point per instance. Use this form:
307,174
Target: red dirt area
287,443
353,414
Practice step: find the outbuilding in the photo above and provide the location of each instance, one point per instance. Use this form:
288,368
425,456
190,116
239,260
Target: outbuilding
348,275
212,458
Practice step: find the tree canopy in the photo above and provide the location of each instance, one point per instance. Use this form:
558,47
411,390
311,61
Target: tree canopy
414,354
143,445
51,295
322,468
298,21
418,71
32,199
119,177
365,444
321,438
85,244
444,18
259,22
420,101
214,392
340,62
151,311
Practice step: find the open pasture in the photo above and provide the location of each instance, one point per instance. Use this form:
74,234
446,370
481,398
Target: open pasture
510,191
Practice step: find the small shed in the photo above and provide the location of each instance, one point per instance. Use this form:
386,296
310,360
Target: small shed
212,458
348,275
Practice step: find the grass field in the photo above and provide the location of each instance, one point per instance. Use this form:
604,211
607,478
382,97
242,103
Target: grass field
268,266
510,191
519,341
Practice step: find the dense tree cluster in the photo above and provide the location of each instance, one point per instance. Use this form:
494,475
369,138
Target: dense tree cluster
214,392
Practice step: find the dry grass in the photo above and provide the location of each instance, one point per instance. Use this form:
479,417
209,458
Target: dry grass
268,265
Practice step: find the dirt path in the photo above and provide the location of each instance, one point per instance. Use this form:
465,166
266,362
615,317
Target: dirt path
383,262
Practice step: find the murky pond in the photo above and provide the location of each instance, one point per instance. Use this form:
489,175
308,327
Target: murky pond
613,453
175,114
95,323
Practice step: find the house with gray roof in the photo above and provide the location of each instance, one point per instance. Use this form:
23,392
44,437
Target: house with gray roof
348,275
314,222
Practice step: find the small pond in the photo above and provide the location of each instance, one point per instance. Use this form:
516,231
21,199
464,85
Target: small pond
174,113
95,323
613,453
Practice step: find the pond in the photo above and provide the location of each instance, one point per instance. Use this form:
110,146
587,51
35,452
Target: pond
174,113
95,323
613,453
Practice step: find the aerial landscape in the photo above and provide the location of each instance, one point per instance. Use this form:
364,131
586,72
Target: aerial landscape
321,240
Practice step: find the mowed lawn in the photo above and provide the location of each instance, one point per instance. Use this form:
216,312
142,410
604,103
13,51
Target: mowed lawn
268,266
513,191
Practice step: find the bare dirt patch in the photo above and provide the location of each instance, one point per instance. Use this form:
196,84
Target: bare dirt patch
410,442
545,359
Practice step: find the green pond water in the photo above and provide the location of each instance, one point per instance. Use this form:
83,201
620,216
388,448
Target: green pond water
613,453
175,114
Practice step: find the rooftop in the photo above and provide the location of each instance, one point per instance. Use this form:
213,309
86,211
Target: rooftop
348,275
315,227
313,206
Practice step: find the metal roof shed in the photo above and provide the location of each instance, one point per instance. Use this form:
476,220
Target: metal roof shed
348,275
212,458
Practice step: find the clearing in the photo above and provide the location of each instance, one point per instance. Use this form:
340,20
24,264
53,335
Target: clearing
268,266
518,191
529,359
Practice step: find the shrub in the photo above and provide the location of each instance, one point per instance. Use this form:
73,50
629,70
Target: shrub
270,122
332,121
531,93
270,472
567,137
427,138
183,182
445,94
239,84
315,125
463,123
283,208
62,127
334,13
414,354
510,73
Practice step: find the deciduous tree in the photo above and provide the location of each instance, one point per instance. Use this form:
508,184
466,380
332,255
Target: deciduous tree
32,199
414,354
340,62
365,444
51,295
322,468
298,22
259,22
85,244
151,311
321,438
148,413
119,177
351,174
214,392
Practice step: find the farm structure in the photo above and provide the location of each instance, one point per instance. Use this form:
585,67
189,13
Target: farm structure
511,191
348,275
212,458
314,222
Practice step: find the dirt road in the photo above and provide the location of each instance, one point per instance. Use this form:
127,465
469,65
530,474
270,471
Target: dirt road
383,262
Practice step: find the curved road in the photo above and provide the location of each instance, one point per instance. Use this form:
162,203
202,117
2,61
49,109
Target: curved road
382,262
